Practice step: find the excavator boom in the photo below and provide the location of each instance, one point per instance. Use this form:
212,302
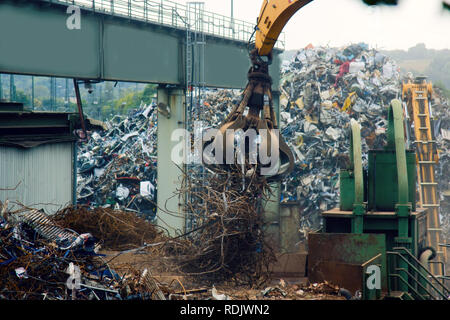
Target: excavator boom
257,96
273,17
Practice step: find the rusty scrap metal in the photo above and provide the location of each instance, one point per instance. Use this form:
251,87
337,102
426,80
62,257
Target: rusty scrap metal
229,242
119,230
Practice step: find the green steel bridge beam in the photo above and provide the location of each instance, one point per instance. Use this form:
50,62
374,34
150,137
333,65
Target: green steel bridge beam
35,40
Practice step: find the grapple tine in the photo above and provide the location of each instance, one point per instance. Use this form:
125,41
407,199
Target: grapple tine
257,97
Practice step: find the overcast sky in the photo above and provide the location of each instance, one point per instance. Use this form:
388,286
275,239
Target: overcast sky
339,22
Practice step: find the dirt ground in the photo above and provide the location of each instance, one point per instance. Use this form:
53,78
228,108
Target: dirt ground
178,287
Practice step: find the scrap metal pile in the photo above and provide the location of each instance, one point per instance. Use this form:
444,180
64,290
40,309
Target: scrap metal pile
321,90
117,167
40,260
120,230
441,114
227,240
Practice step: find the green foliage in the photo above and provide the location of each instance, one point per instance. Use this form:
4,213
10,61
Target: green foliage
107,112
107,99
41,91
107,105
130,100
148,93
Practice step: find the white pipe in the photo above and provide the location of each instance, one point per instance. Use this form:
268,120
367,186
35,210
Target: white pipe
425,256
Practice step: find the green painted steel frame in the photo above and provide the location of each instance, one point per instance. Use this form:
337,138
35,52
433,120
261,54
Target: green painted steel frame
359,207
358,251
401,227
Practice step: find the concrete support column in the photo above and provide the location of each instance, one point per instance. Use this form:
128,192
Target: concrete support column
271,211
169,215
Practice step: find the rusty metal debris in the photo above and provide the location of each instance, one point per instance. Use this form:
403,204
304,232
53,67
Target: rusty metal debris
35,266
228,242
42,260
441,113
117,166
120,230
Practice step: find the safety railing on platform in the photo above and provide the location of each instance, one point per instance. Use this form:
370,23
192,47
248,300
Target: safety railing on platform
444,277
172,14
416,276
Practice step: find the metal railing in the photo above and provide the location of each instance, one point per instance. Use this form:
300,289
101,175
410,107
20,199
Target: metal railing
417,294
438,289
172,14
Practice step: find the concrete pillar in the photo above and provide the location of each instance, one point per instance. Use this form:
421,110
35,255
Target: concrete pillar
169,214
271,211
289,228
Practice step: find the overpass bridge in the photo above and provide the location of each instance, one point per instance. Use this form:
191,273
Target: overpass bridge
158,41
136,41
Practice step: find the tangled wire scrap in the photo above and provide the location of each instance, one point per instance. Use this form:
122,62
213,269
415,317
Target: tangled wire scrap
119,230
32,268
36,267
227,227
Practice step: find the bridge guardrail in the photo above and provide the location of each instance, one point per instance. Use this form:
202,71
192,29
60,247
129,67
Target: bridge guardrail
172,14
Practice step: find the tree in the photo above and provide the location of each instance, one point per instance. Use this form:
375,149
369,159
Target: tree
108,94
127,102
41,91
148,93
106,111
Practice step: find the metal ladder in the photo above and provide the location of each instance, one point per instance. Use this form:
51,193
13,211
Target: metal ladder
417,96
195,81
195,58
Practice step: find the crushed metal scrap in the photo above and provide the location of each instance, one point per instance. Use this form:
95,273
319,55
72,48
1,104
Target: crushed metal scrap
117,166
441,114
321,90
40,260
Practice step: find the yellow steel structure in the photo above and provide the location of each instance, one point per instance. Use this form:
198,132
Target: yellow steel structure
272,19
416,95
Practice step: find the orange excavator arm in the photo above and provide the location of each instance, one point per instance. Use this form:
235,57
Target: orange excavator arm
257,96
273,17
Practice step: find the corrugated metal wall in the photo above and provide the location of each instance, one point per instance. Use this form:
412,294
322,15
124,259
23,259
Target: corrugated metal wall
44,173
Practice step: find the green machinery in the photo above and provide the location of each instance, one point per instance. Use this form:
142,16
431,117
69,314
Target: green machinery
374,244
